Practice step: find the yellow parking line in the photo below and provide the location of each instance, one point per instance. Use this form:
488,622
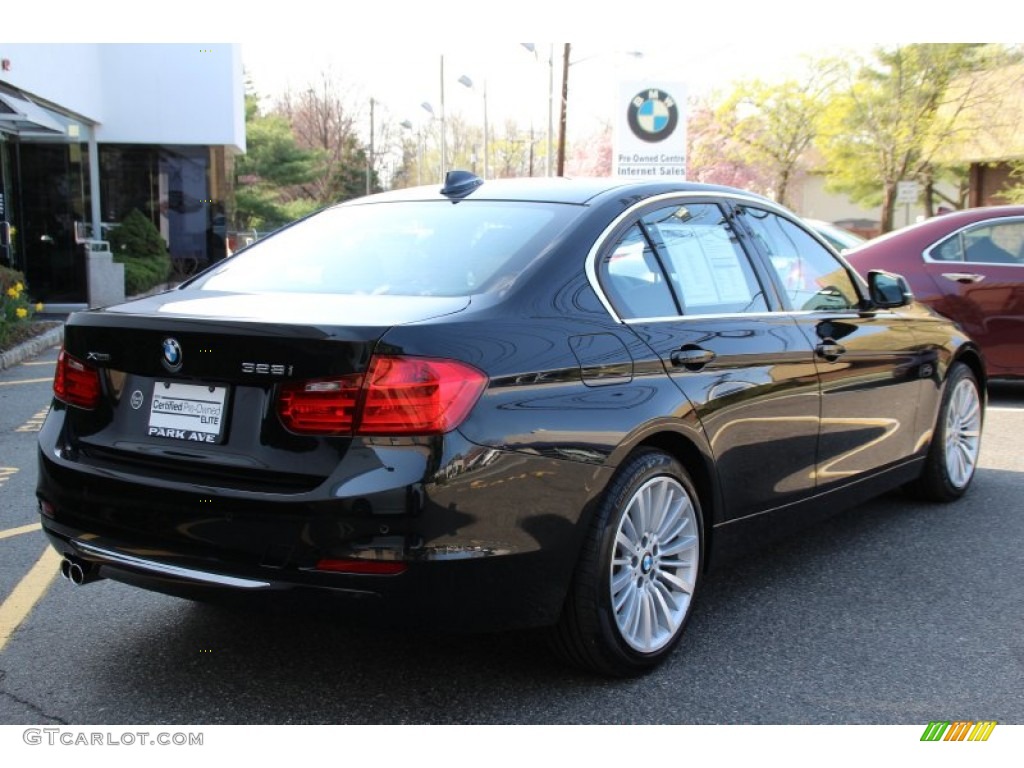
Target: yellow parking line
41,362
20,602
25,381
18,531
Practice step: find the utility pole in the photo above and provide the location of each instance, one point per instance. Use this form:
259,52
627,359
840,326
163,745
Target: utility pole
561,119
369,156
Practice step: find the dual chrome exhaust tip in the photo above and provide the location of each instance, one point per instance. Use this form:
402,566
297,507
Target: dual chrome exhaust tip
79,572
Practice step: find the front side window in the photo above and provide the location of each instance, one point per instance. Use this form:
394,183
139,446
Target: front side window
812,277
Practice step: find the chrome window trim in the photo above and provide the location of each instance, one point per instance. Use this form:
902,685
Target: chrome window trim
706,195
1008,219
708,316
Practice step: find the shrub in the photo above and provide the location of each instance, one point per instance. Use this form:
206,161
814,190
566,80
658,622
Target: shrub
15,310
137,244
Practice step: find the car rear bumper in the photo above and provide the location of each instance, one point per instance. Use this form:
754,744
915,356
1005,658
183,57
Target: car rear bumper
487,547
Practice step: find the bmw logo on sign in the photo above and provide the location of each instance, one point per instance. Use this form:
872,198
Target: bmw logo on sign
172,355
652,115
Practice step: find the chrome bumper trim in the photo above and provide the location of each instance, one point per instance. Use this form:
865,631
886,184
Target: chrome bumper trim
109,557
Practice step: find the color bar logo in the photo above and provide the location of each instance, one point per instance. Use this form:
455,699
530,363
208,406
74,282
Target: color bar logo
960,730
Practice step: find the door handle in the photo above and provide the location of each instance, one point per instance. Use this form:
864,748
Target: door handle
830,350
963,277
692,358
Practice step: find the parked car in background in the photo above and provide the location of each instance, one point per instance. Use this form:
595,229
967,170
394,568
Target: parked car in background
840,239
500,404
969,266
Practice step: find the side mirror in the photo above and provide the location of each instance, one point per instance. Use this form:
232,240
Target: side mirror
887,290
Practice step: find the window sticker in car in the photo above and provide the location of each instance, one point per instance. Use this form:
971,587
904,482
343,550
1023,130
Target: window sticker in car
707,265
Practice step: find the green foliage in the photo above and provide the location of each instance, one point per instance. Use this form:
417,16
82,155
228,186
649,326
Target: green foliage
894,113
137,236
273,165
15,309
137,244
349,178
1014,194
769,127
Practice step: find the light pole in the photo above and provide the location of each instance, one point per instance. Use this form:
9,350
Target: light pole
551,97
407,124
427,106
369,155
466,81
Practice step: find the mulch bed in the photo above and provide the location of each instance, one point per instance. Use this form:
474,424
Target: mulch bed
28,331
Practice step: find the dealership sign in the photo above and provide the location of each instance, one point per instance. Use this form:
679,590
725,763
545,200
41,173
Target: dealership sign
650,130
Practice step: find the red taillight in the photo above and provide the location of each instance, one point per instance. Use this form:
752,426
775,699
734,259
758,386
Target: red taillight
396,396
418,396
76,383
320,406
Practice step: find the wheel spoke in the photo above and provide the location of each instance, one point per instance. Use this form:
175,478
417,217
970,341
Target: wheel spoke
682,585
682,544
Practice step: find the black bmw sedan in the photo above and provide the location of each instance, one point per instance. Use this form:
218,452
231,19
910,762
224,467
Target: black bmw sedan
503,404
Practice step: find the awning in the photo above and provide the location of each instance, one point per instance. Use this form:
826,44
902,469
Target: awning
19,115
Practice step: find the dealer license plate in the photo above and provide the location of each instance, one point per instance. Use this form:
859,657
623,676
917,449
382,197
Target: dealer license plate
190,412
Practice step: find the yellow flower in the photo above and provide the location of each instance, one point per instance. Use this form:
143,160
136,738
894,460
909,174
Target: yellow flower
19,287
39,307
13,292
21,312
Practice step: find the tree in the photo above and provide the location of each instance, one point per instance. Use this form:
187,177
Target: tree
593,155
769,127
709,157
272,165
894,113
323,121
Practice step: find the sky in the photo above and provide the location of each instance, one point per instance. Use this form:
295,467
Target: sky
517,81
390,50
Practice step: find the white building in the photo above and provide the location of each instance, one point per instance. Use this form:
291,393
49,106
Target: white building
90,131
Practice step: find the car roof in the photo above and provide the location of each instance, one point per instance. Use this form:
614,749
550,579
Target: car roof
578,191
939,226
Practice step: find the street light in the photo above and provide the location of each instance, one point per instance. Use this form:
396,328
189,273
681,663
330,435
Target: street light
430,109
466,81
444,156
407,124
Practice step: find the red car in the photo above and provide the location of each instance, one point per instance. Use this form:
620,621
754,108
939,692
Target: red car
969,266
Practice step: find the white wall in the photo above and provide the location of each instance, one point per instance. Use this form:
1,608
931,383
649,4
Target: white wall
67,74
158,93
172,94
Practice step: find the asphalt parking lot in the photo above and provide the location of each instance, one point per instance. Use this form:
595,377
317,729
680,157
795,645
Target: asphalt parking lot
894,612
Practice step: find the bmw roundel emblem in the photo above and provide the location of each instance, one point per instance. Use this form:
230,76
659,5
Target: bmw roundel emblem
653,115
172,355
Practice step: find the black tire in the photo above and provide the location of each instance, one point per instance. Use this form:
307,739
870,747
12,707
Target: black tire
956,440
634,586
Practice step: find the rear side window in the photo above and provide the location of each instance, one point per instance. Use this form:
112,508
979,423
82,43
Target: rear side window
421,248
633,278
708,269
1000,243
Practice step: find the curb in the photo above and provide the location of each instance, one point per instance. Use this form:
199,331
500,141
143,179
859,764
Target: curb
32,347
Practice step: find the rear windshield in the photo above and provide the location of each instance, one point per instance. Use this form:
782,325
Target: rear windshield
428,248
